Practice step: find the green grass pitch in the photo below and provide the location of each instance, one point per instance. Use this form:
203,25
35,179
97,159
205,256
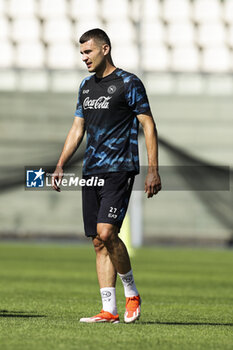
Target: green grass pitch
44,289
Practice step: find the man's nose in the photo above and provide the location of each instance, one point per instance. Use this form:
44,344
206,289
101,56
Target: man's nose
84,57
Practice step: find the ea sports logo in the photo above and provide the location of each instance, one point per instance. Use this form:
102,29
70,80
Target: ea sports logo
111,89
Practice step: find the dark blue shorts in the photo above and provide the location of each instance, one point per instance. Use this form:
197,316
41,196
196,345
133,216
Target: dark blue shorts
108,203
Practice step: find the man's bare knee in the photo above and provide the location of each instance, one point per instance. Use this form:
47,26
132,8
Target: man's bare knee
98,244
107,232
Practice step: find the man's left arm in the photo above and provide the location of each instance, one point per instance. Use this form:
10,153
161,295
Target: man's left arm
152,182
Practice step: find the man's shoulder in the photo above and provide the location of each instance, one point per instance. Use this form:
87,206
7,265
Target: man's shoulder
125,74
128,77
85,80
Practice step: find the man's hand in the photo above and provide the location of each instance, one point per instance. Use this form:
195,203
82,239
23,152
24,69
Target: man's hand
152,183
57,177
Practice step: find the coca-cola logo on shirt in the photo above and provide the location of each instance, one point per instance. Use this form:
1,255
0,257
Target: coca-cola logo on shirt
100,103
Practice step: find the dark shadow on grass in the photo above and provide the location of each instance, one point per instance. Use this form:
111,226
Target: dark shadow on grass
22,314
187,323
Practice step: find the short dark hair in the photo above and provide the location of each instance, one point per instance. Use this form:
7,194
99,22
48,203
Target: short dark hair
97,34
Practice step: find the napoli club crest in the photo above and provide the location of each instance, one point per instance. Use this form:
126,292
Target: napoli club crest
111,89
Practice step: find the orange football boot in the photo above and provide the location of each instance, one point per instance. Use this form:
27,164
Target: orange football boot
133,309
103,316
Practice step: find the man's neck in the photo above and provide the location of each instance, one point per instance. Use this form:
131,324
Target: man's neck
106,70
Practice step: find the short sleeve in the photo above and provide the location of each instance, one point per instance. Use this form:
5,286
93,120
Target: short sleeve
136,96
79,107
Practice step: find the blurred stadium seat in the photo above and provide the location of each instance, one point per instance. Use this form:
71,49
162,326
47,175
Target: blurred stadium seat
2,7
21,9
135,12
126,56
211,34
207,10
83,25
25,29
150,10
52,8
217,59
57,30
84,10
228,11
4,29
30,55
174,11
155,58
61,56
185,59
180,34
230,37
114,10
121,35
152,33
7,54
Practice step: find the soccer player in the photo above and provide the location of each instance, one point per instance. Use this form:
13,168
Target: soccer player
111,104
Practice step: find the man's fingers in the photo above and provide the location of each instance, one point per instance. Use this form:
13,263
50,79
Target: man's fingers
157,188
152,184
149,191
56,179
152,190
56,188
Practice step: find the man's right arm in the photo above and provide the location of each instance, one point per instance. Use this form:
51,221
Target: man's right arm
73,140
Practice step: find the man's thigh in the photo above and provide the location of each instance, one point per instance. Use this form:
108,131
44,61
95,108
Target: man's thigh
90,207
115,197
107,204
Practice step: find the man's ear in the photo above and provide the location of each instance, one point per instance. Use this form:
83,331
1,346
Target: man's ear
106,49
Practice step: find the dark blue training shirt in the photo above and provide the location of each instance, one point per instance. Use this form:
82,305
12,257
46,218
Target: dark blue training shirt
109,107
